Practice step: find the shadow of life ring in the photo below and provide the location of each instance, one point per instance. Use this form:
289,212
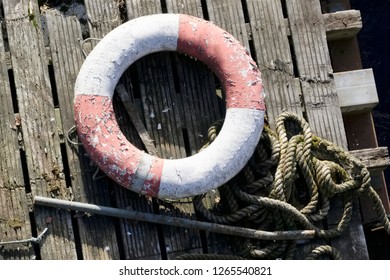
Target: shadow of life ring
146,174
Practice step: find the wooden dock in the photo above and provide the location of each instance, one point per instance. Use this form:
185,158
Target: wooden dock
298,46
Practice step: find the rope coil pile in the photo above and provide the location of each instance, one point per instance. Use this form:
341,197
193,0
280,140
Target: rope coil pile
289,184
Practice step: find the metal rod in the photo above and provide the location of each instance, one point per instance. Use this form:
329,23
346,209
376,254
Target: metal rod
174,221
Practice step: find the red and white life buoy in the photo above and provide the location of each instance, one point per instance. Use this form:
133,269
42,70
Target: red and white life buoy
149,175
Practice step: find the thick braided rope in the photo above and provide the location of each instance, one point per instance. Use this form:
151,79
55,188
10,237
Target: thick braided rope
288,184
324,250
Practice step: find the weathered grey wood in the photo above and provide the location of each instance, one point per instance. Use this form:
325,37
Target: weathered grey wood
342,25
375,159
315,70
189,7
274,58
103,16
229,15
138,8
40,137
147,141
320,98
356,91
161,106
338,25
14,216
200,105
67,58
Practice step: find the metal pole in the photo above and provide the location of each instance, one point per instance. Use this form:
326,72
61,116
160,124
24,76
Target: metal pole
174,221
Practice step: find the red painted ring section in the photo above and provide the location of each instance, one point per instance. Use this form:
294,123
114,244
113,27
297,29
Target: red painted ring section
97,126
228,59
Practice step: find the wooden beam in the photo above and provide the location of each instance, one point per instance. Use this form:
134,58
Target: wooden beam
342,25
375,159
338,25
356,91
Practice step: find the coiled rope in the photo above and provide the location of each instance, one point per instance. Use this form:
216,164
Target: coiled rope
288,184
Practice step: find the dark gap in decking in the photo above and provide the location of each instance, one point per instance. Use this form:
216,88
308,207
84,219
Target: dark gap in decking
160,232
175,74
54,92
245,10
34,232
76,235
119,238
26,177
284,8
202,233
116,221
252,49
186,140
65,163
68,182
203,241
293,58
135,80
12,86
205,11
4,29
164,8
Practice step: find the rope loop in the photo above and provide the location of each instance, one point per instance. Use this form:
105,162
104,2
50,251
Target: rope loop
289,184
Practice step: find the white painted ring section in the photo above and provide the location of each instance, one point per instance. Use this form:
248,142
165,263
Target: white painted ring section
231,150
121,47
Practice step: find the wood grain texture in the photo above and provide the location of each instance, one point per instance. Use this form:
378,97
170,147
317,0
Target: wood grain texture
229,15
321,101
14,216
40,134
274,58
67,58
315,70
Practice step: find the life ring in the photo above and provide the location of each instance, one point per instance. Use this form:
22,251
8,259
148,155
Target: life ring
146,174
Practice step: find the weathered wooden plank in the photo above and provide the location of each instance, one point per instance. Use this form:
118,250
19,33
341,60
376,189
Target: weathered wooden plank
356,91
14,217
229,15
200,105
189,7
40,138
315,70
320,98
342,25
274,58
375,159
138,8
338,25
64,33
103,16
160,105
